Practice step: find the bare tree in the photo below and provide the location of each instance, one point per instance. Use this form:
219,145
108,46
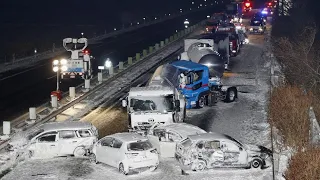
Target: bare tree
298,57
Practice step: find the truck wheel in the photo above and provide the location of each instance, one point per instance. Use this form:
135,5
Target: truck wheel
231,95
201,102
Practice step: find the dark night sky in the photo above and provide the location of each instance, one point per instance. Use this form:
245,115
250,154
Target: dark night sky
81,11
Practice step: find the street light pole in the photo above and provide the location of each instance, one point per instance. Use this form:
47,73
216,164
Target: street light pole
58,80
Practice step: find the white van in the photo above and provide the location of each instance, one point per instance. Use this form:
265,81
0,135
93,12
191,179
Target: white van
61,139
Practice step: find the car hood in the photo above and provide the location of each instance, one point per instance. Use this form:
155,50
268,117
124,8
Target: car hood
19,140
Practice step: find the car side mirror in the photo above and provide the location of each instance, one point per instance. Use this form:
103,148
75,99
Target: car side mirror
240,149
124,103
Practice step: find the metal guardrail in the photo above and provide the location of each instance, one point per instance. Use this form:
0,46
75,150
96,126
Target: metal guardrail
20,124
50,54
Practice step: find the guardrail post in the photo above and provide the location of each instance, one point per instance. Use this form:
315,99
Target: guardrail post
110,70
72,92
121,65
157,46
129,60
179,34
171,38
166,41
144,53
87,84
150,49
6,130
100,77
54,101
32,114
138,56
175,37
161,43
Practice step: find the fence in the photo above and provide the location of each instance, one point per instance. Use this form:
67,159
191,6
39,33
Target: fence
18,61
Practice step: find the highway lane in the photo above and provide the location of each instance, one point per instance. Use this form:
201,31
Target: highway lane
33,87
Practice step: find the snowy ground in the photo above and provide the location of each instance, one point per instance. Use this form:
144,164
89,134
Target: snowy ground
244,120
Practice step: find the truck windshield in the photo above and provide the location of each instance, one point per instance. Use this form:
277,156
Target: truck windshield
152,103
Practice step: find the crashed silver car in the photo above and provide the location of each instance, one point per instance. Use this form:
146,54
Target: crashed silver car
211,150
165,137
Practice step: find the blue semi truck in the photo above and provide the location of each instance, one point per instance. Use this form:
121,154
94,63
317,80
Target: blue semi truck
199,83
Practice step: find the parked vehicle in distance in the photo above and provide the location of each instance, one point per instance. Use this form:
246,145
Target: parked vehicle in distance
59,139
126,151
166,137
211,150
257,26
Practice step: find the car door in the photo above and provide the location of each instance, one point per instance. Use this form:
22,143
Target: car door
102,147
67,142
231,152
168,146
155,137
46,145
116,153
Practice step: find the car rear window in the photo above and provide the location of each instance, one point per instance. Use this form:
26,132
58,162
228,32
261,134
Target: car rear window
139,146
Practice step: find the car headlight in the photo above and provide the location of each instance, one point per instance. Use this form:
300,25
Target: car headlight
260,29
246,41
207,29
251,29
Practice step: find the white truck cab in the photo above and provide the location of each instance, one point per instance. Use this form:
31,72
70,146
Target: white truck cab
153,104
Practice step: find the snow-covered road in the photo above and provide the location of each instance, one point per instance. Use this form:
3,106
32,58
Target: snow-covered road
244,119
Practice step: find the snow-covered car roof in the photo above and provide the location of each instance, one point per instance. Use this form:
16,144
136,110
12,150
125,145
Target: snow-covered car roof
128,137
208,136
183,129
66,125
150,91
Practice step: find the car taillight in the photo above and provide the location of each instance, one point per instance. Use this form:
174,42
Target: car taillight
132,155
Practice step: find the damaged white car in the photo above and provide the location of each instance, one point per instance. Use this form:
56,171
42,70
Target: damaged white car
166,137
126,151
57,139
210,150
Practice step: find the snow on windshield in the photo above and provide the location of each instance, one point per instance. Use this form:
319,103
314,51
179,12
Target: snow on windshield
139,146
156,103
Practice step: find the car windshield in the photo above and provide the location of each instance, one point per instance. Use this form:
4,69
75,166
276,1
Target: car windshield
139,146
232,139
35,133
255,23
152,104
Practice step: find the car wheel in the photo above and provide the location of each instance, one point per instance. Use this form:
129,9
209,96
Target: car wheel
201,165
79,152
256,163
153,168
93,158
201,102
231,95
122,170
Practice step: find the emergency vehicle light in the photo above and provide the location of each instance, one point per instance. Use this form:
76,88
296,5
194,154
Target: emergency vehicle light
247,4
